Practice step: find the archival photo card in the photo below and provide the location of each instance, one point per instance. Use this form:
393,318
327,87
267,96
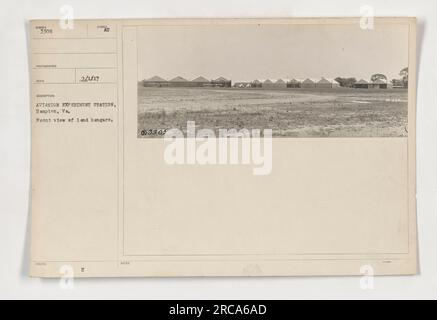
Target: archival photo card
223,147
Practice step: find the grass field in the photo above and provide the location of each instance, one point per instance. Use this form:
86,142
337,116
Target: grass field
289,112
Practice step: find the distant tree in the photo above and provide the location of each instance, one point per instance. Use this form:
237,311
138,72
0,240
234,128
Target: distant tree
378,76
404,72
346,82
404,75
350,82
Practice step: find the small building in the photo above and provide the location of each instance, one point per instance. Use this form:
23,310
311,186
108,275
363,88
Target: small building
378,84
256,83
155,81
200,82
221,82
274,84
309,83
362,84
398,84
326,83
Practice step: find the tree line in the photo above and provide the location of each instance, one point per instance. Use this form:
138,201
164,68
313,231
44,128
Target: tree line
402,82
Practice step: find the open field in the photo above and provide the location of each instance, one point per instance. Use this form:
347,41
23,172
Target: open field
288,112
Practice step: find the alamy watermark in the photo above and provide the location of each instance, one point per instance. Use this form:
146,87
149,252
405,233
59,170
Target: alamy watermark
66,280
66,22
231,147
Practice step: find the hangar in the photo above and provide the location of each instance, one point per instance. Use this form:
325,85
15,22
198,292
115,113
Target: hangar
221,82
326,83
200,82
179,82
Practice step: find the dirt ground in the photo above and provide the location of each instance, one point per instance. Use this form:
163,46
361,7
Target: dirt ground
288,112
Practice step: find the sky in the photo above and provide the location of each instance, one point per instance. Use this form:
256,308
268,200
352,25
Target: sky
248,52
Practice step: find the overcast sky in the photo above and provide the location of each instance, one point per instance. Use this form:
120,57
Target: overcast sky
248,52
